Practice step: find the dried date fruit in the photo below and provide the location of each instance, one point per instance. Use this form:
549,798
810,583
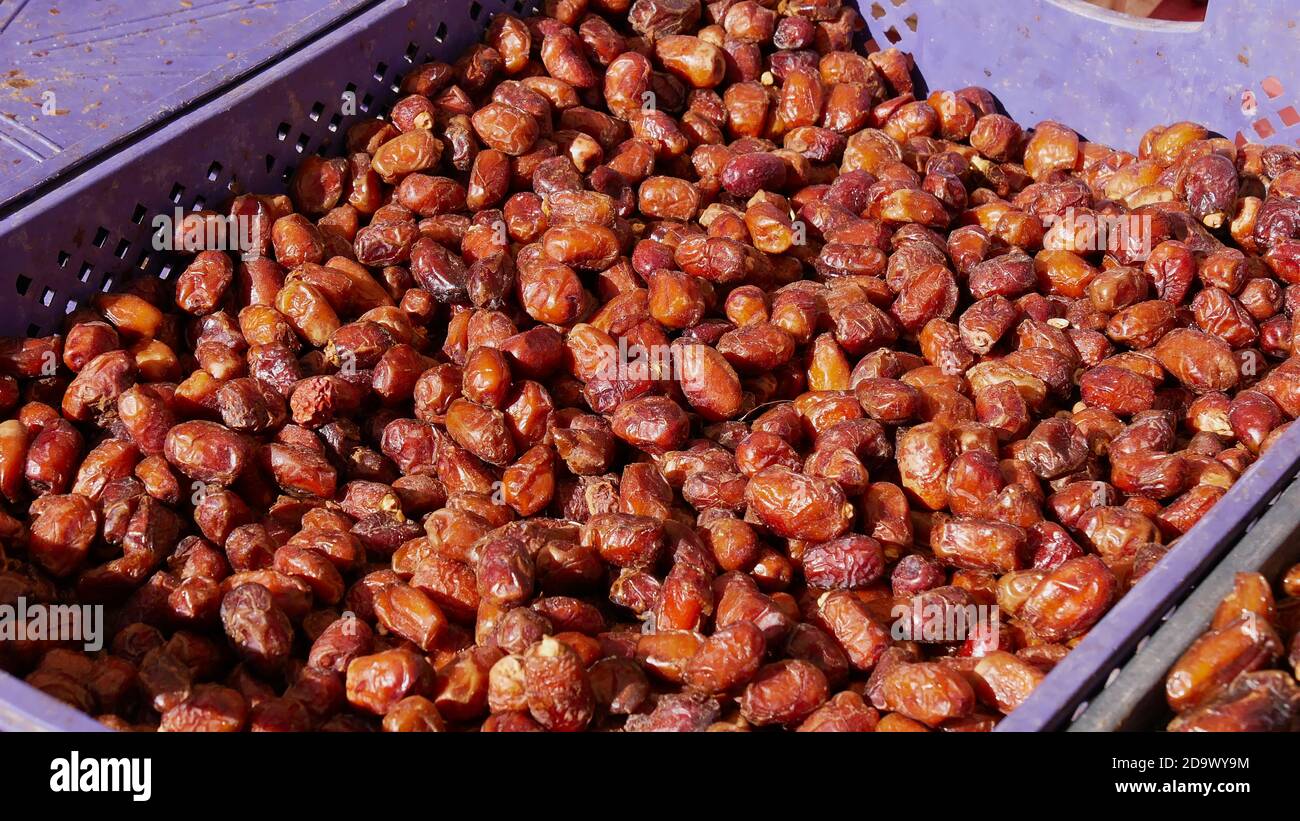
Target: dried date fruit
976,544
728,659
798,506
1218,657
62,531
848,562
256,625
851,624
207,452
926,692
1198,360
1070,599
556,688
378,683
1263,701
786,692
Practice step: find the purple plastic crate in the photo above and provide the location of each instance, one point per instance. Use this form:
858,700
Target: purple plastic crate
78,76
26,709
1116,76
1133,698
1115,638
92,231
1112,75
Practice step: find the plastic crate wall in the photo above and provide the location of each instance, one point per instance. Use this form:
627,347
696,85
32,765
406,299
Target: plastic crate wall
95,229
79,76
1133,698
1114,76
1110,75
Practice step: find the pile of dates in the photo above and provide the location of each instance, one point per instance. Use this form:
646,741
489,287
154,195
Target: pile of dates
654,366
1228,681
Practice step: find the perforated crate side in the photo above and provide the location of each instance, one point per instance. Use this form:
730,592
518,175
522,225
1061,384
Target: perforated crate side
85,236
1230,72
1110,75
78,77
1133,697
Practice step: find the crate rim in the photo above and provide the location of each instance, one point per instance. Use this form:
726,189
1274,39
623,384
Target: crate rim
1134,698
80,159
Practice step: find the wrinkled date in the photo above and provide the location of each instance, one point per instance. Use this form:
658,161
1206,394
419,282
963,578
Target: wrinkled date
1223,681
926,692
207,452
798,506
